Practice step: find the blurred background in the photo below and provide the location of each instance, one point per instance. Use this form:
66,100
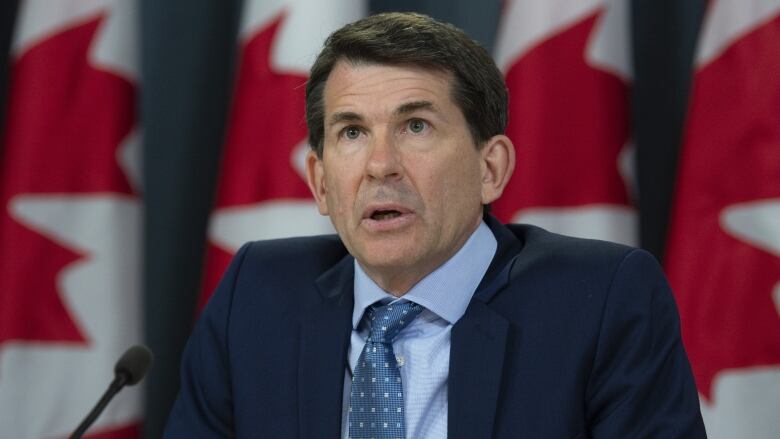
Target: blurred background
141,142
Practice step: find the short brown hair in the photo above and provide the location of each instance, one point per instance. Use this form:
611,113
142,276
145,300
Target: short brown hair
414,39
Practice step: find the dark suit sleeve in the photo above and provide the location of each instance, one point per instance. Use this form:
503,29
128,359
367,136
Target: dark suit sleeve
641,385
204,407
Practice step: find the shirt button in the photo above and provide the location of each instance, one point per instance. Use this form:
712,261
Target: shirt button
400,360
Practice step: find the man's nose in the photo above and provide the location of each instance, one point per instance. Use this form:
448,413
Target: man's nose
384,160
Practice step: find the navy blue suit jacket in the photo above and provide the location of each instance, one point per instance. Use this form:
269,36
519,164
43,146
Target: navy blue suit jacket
564,338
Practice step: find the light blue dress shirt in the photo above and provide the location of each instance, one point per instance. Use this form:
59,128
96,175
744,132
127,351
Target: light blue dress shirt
423,347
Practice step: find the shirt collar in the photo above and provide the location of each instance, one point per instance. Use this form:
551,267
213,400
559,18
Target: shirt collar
447,290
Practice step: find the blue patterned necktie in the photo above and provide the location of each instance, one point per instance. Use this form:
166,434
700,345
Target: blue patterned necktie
376,403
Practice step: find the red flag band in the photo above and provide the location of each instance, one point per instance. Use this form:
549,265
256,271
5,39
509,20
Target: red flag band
71,219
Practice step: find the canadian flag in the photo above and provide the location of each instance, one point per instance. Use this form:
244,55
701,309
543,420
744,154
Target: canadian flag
262,191
723,256
567,66
70,219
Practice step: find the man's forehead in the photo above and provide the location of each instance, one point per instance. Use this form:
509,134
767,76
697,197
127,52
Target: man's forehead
399,111
397,89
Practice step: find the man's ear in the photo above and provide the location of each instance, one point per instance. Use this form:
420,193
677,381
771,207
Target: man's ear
498,163
315,178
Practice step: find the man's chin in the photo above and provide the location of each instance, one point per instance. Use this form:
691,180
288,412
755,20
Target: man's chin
388,262
389,256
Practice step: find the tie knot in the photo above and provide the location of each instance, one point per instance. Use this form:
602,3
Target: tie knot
386,321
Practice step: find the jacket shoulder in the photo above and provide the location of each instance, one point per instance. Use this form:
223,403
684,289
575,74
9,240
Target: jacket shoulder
585,259
317,253
280,272
539,242
553,268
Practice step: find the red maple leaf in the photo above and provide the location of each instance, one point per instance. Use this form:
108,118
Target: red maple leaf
65,121
267,122
568,121
731,155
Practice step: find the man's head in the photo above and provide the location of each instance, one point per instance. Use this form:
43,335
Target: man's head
415,40
409,144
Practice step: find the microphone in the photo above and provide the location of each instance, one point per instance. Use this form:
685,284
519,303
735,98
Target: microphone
129,370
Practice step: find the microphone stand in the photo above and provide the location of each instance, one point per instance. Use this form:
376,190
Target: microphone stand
116,385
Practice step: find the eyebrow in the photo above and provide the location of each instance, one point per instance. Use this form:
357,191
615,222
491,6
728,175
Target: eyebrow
411,107
345,116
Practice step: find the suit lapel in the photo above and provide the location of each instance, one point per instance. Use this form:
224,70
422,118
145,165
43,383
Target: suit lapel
325,332
509,247
476,362
479,345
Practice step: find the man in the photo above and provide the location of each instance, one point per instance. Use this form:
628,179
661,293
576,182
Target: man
425,317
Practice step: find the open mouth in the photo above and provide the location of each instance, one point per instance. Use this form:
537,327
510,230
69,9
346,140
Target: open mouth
387,217
381,215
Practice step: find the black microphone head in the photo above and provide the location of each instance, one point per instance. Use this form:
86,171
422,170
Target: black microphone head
134,364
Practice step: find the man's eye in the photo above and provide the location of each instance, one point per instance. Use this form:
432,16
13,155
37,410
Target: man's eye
417,126
351,133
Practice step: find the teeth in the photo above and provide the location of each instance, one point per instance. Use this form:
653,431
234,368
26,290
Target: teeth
383,215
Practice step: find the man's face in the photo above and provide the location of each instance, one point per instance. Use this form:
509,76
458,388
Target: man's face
400,176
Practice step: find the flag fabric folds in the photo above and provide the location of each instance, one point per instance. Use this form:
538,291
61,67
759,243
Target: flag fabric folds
262,191
70,222
723,257
567,66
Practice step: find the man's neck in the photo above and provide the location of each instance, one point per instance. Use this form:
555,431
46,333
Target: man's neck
398,280
447,290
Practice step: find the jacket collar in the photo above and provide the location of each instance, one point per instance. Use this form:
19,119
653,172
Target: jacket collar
325,331
478,346
509,248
